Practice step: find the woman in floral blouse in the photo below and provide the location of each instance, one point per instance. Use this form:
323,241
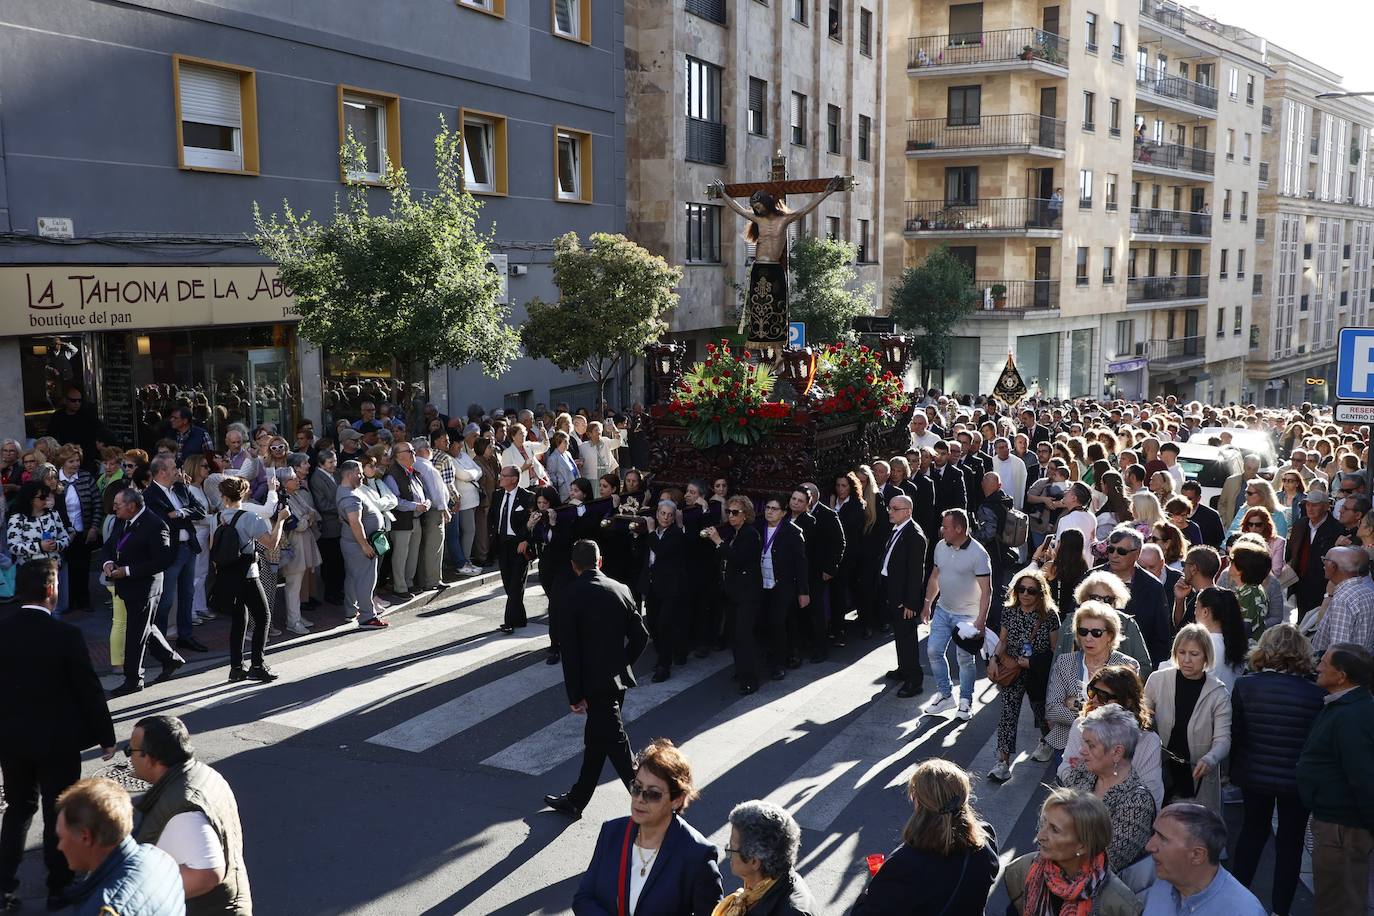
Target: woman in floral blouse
1110,735
36,530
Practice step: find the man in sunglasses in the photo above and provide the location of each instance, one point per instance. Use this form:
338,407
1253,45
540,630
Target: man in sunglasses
1349,514
1149,604
75,420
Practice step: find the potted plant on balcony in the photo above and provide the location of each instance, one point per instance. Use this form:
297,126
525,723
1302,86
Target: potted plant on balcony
999,295
1027,53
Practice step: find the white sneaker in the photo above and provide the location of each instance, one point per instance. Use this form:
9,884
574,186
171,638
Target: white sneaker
298,629
471,570
307,623
937,703
965,710
1000,773
1043,751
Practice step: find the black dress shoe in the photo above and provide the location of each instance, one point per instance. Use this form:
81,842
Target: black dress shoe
553,658
237,674
564,804
885,629
817,657
779,673
910,689
866,633
170,670
191,643
895,675
660,675
261,673
10,903
793,662
506,628
124,689
702,652
747,688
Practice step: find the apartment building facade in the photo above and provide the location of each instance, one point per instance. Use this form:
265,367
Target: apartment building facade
1318,209
138,135
715,90
1095,164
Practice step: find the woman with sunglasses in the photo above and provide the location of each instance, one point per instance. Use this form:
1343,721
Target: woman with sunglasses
743,585
1291,487
653,862
944,836
1193,718
1260,494
1030,629
1097,628
1169,539
1120,684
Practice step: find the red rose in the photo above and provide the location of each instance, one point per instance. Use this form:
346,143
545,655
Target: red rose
742,421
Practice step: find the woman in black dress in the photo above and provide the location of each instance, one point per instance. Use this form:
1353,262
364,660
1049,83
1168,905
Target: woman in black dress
743,585
849,506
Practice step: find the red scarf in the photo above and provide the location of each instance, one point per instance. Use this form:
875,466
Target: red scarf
1076,890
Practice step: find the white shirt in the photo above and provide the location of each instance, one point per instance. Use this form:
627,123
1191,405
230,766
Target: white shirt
1084,522
182,536
190,840
926,439
73,500
892,543
637,881
1176,472
1013,474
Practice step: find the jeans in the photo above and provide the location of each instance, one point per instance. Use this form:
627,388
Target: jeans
943,626
453,541
179,585
249,603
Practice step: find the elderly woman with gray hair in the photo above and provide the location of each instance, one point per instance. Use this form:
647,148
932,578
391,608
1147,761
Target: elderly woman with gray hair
1110,736
764,840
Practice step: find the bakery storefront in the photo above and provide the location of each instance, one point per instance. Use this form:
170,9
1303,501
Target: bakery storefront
139,339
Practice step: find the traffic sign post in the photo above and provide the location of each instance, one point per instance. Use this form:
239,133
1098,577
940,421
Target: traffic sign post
796,334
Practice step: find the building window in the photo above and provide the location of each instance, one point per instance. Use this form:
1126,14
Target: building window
832,129
865,137
1240,263
1114,117
373,122
1230,144
703,234
1244,206
798,121
968,256
492,7
1233,83
1108,265
864,256
1132,258
961,186
710,10
1226,204
1109,191
1249,89
574,165
965,24
1225,261
832,228
572,19
1085,189
758,107
217,116
1118,41
1089,110
484,152
1125,337
705,132
865,32
1249,146
1238,321
799,11
832,21
965,106
1090,33
1082,267
1221,322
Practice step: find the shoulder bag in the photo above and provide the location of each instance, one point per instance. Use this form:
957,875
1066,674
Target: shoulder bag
1002,668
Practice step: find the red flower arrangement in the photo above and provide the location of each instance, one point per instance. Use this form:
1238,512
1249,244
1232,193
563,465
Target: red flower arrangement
722,399
859,388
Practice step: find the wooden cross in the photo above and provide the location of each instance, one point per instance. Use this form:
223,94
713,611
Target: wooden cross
779,185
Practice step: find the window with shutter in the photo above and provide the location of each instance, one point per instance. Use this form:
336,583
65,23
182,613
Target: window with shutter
758,101
211,117
798,121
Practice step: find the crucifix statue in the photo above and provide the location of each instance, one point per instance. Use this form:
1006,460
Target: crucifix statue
765,308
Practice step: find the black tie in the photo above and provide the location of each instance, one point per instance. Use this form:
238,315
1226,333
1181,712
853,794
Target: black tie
891,542
505,514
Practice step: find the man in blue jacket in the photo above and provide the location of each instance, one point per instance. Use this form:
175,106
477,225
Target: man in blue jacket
1334,783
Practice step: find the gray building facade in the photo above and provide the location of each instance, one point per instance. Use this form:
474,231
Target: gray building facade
135,137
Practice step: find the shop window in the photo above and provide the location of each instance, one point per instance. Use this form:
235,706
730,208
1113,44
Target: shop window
491,7
216,116
398,390
1081,375
373,121
572,19
484,152
574,165
1037,356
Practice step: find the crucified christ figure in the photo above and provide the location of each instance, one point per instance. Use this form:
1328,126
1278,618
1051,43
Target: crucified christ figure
766,304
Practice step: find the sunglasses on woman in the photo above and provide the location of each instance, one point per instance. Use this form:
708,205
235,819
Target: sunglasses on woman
1029,590
1094,632
648,793
1101,695
734,511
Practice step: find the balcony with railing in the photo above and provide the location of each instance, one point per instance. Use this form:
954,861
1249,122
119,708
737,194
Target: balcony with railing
705,141
1171,159
1178,93
1166,289
988,135
1015,298
1168,15
988,216
1177,352
1171,224
978,52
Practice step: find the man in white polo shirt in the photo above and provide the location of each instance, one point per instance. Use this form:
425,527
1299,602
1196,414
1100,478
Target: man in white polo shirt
962,579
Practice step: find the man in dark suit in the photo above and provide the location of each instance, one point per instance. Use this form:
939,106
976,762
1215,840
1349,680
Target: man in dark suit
602,635
950,490
1034,431
1308,541
53,709
827,559
786,582
666,589
1207,518
973,478
168,499
1149,603
136,553
901,583
508,520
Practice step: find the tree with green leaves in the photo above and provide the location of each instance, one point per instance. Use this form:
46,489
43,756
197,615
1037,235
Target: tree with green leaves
411,283
931,299
613,299
823,293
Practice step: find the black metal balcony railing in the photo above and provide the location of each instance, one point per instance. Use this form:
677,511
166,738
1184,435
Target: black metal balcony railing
714,10
1176,87
931,51
1148,221
1165,289
1166,14
705,141
1020,295
1264,172
991,131
998,213
1173,156
1266,116
1176,350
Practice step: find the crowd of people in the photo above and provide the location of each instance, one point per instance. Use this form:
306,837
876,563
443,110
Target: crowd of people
1178,652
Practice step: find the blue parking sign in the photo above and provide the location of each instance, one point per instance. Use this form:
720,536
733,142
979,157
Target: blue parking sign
1355,365
796,333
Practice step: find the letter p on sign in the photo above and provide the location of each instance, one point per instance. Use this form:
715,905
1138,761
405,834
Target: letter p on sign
1355,365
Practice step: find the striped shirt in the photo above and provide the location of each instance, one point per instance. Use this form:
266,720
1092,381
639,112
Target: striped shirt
1350,617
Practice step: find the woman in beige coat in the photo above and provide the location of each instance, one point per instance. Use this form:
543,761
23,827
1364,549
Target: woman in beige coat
1193,719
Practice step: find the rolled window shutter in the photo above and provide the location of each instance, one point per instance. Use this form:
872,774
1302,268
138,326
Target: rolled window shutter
210,96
